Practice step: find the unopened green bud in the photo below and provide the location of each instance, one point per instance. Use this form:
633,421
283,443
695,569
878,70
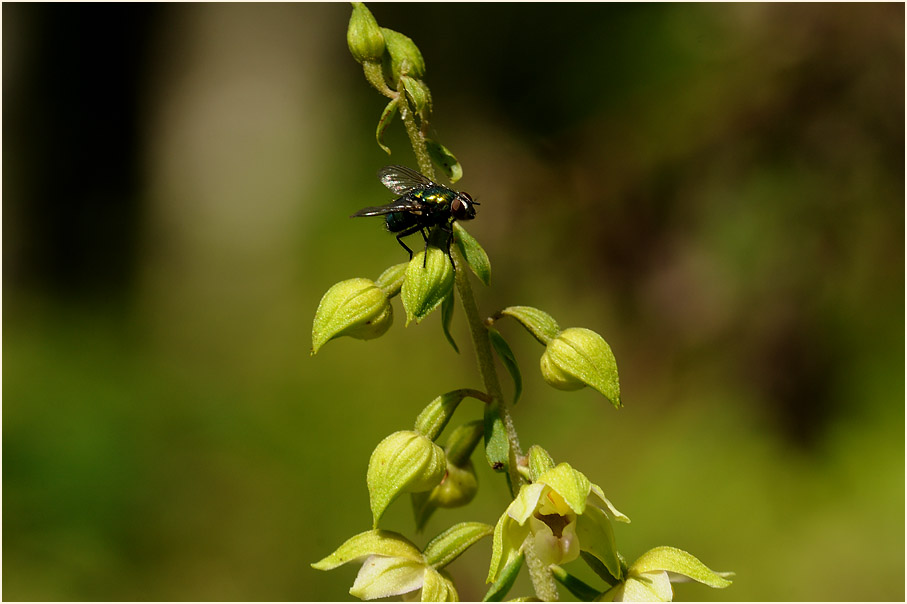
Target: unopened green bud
404,462
356,308
579,357
403,56
363,35
458,487
429,279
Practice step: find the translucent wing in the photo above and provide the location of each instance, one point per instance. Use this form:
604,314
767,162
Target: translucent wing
401,179
399,205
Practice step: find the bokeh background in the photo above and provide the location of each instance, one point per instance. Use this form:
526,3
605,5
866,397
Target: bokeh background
717,189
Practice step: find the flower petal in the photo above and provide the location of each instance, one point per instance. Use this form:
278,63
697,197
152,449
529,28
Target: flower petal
570,484
550,548
438,588
597,498
649,587
508,540
381,577
525,503
680,562
597,538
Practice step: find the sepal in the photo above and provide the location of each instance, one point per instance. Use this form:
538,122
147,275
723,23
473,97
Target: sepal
363,545
539,462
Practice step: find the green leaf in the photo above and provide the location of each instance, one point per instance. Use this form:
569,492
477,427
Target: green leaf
447,310
497,447
505,580
427,282
420,96
387,117
506,355
462,442
446,547
434,417
475,256
537,322
583,591
445,160
679,562
374,542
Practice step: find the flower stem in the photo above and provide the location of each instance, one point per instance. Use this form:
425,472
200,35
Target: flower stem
542,580
415,138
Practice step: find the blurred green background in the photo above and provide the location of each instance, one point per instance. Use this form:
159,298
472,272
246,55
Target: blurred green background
717,189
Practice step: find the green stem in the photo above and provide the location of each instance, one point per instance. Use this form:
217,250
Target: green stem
487,371
416,138
542,580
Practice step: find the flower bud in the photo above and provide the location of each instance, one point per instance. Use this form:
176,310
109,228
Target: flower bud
356,308
579,357
363,35
404,462
457,488
427,282
403,56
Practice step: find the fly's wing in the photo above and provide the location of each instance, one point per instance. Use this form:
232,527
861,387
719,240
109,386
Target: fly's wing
399,205
402,180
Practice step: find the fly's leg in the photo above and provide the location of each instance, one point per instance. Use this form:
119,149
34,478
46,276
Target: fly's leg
447,229
406,232
425,255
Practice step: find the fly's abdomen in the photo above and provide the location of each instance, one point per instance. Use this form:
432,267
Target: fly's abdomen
398,221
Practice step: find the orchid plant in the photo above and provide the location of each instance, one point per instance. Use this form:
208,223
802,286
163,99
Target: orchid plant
556,515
